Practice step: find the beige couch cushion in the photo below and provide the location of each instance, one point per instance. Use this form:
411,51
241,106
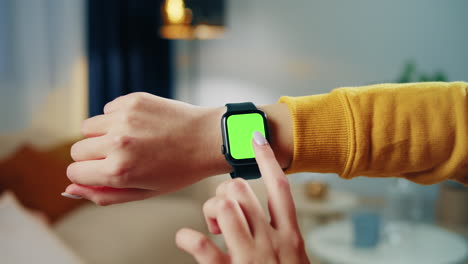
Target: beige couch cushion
37,179
138,232
25,238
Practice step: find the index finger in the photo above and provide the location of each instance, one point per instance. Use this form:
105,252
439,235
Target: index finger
281,203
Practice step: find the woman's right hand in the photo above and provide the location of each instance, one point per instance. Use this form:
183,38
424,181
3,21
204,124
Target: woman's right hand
235,212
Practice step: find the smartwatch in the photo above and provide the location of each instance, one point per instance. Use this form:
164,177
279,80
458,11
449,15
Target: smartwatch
238,124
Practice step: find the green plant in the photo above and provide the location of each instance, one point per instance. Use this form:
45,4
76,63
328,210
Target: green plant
411,74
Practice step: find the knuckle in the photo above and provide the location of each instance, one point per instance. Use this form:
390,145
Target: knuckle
110,181
114,181
239,185
136,101
201,244
275,245
118,169
122,141
106,107
227,204
295,240
119,174
102,201
127,118
140,94
282,183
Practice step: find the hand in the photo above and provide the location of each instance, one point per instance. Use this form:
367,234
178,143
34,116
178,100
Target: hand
236,213
142,146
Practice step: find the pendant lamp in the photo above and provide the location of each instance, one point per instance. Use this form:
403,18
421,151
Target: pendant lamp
192,19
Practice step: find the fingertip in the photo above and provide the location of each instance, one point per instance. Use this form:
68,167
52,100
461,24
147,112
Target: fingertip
72,170
76,190
199,246
259,138
261,148
73,151
69,171
181,235
69,188
178,235
260,144
71,196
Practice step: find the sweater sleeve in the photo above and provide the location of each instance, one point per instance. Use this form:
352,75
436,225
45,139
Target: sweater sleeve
417,131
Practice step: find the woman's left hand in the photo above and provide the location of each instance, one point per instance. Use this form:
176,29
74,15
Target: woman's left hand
236,213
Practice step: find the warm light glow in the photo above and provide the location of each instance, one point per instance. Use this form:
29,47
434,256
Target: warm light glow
208,31
178,23
191,32
175,10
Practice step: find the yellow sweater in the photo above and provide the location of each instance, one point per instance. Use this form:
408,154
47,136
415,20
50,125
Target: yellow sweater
418,131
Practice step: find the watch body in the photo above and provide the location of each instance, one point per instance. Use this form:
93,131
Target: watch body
237,127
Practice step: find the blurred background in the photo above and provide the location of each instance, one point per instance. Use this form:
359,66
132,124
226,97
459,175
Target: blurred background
62,60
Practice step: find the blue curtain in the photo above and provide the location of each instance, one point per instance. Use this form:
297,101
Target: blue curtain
125,51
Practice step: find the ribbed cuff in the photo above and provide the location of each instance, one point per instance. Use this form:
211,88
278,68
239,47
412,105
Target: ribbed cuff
321,133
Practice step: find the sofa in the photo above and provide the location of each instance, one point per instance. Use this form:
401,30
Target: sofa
136,232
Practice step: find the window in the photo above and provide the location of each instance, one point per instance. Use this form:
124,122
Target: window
5,38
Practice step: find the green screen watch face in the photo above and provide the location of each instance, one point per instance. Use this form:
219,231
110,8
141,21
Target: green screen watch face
240,129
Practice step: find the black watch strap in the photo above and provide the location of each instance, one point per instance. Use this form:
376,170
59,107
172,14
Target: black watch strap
240,107
250,171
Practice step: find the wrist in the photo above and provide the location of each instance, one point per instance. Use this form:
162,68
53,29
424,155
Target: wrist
281,132
211,161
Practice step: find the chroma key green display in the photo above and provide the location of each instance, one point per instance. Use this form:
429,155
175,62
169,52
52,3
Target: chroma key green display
240,129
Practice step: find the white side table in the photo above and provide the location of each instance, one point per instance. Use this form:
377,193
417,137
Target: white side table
312,212
424,244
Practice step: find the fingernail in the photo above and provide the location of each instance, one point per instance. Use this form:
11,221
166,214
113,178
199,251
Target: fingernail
259,138
64,194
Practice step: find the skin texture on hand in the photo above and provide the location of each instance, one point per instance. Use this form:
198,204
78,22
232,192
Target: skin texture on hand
235,212
144,145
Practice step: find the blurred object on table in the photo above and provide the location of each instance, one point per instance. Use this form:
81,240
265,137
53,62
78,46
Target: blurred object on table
366,228
452,207
404,207
316,190
312,212
425,243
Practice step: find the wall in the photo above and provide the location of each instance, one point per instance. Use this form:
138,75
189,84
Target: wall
44,82
302,47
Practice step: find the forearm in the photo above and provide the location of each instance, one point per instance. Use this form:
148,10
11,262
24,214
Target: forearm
281,128
144,145
416,131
